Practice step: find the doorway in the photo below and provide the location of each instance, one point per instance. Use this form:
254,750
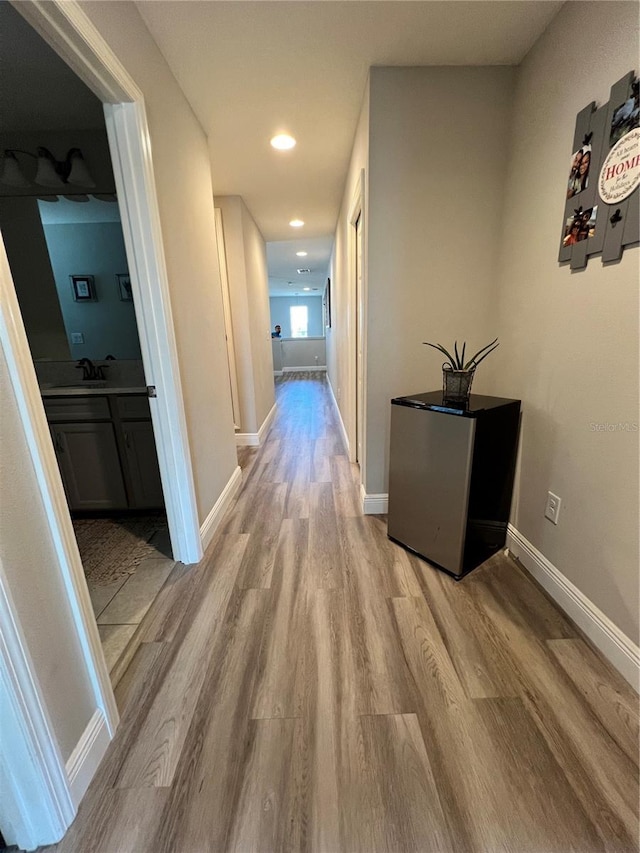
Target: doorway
66,27
358,324
65,246
357,284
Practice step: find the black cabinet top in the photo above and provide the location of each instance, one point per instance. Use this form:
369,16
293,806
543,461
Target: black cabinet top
434,401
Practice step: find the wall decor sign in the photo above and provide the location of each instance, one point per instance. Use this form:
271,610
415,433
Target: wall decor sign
620,172
83,288
124,287
602,209
327,304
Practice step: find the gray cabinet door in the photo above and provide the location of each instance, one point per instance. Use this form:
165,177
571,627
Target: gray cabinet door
90,465
142,463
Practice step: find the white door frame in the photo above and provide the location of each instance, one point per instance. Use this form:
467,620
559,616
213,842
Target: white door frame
358,367
64,25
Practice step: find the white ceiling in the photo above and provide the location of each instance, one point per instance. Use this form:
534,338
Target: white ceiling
252,69
283,264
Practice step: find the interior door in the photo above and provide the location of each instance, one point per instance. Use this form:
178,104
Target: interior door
359,340
228,322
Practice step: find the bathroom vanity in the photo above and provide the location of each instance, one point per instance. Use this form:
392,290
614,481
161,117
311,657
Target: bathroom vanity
105,446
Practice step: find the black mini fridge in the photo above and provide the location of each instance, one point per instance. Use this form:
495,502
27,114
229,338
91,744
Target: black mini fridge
451,470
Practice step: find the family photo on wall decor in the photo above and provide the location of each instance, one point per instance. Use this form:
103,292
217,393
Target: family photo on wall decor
580,226
579,171
627,115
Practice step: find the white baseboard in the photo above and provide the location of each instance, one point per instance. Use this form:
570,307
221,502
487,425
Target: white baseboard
247,439
345,437
374,504
212,521
304,369
614,645
277,372
87,755
255,439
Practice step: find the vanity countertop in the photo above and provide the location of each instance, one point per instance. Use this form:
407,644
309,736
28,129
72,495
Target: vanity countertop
84,390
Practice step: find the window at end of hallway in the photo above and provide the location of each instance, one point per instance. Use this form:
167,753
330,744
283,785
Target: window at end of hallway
299,321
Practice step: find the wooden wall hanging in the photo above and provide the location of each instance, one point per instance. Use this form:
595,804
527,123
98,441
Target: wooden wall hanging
590,225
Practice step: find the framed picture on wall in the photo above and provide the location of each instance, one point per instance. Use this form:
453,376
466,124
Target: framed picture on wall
327,304
124,287
83,288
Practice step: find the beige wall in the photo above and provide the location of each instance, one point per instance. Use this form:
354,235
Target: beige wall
183,182
340,358
438,142
570,341
29,559
249,295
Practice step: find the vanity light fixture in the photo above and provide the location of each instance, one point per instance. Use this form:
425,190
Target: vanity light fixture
296,223
283,142
49,171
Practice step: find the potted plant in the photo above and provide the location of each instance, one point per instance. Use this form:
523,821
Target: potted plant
457,374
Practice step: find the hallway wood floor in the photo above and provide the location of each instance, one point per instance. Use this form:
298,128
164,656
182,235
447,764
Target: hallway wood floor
311,686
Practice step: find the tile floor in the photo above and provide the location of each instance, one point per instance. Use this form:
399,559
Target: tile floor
120,606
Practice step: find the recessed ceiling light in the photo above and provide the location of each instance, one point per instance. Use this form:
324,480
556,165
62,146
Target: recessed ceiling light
306,288
296,223
301,254
283,142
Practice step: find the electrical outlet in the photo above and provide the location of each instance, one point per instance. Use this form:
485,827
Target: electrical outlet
552,508
77,338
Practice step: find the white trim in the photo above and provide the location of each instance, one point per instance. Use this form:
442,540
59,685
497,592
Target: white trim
345,436
619,649
247,439
87,755
212,521
304,369
373,504
25,385
133,170
36,806
255,439
277,372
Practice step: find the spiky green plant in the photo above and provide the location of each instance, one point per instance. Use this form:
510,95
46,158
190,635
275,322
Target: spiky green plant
457,361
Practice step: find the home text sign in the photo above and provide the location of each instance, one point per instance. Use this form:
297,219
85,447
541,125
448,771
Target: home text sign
620,172
602,210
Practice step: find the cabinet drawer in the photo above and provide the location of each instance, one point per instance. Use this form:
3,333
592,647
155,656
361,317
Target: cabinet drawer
134,407
76,409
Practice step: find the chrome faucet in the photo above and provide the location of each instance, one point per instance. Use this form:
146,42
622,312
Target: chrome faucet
89,370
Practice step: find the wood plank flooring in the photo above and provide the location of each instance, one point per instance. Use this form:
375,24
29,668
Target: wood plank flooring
310,686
